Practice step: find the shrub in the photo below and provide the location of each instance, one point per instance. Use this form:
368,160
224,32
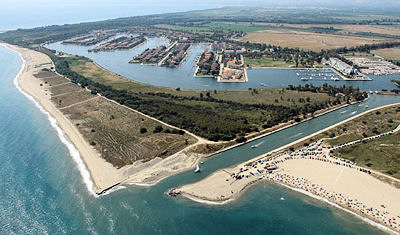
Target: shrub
241,139
158,129
143,130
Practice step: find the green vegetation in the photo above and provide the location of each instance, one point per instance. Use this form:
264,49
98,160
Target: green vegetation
214,115
246,28
382,154
266,62
368,125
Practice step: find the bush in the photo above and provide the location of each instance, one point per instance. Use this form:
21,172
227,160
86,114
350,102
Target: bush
158,129
364,135
241,139
143,130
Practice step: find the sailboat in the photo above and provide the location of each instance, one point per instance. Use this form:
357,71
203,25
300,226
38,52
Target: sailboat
197,169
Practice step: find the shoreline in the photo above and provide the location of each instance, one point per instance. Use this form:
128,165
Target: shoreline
299,140
62,135
85,174
99,176
210,182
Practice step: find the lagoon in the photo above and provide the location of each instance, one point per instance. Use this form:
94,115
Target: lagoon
182,77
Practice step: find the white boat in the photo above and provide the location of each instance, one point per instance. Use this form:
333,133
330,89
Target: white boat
253,146
304,79
197,169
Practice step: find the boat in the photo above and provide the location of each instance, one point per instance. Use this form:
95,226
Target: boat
304,79
263,84
253,146
197,169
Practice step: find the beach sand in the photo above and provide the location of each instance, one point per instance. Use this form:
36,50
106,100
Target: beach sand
98,174
316,172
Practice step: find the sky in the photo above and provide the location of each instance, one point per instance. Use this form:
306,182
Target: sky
32,13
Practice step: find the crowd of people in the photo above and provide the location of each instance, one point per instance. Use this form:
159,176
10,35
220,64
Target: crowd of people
267,168
352,203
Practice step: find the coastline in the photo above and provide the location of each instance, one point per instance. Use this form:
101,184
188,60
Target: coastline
91,166
213,188
53,122
99,176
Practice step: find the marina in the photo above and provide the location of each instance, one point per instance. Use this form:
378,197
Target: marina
183,76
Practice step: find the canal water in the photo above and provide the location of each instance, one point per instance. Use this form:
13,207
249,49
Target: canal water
117,62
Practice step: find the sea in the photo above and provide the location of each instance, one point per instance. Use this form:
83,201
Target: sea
42,190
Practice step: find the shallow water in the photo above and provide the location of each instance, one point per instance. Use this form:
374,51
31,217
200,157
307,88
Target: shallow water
117,61
41,189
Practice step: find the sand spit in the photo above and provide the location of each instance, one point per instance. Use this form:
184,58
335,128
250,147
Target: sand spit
98,175
313,170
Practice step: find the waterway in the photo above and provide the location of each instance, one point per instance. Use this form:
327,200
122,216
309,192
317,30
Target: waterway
41,190
182,77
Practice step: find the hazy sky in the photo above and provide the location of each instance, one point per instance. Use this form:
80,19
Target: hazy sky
35,3
32,13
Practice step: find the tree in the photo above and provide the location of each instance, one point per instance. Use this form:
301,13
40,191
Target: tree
143,130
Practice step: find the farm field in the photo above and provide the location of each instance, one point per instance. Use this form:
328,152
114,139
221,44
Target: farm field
307,40
389,53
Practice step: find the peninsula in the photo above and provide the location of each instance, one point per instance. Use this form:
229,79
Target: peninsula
128,132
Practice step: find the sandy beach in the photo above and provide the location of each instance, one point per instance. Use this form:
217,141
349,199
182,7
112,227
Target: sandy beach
97,174
310,170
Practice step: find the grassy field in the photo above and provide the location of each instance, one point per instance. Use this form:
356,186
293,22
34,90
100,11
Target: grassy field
254,96
267,62
381,154
114,130
389,53
307,40
367,125
345,29
211,114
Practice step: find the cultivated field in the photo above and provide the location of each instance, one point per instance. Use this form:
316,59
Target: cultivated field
307,40
388,53
392,30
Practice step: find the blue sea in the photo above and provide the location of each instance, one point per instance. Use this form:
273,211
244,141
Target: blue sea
42,191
